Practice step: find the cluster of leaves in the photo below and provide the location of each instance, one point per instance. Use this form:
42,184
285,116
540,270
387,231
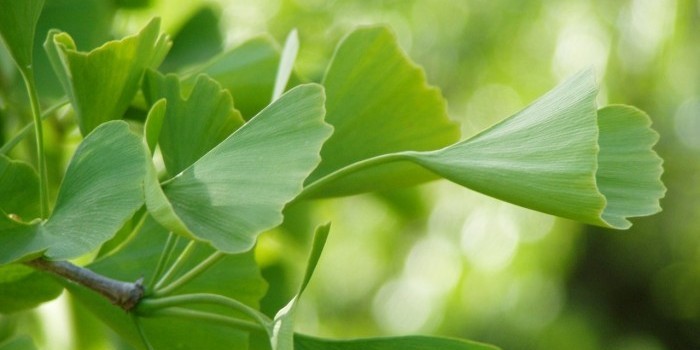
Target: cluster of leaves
236,149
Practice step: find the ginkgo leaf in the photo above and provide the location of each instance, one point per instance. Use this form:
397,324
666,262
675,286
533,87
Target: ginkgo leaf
379,106
19,343
101,83
19,189
21,288
286,66
17,25
194,122
234,276
559,155
198,40
303,342
247,72
102,188
282,337
239,188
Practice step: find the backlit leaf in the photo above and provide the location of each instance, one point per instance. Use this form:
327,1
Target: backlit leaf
378,106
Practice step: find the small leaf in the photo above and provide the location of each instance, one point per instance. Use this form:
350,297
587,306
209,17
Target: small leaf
303,342
102,188
282,337
378,106
23,288
247,72
235,276
194,123
286,66
102,82
239,188
17,25
19,189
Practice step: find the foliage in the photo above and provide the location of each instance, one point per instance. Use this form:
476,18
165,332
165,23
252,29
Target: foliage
237,150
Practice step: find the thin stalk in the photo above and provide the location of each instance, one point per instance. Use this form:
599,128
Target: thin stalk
170,244
142,333
123,294
28,76
194,272
208,317
22,133
149,306
176,265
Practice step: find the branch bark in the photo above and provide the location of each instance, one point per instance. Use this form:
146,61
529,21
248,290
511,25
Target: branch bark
123,294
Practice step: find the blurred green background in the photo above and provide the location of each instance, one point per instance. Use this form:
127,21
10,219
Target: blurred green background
440,259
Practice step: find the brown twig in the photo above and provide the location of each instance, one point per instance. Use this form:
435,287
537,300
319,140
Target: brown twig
123,294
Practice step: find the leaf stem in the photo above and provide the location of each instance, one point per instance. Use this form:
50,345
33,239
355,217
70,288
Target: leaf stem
149,306
191,274
123,294
181,259
207,316
28,76
142,333
165,255
22,133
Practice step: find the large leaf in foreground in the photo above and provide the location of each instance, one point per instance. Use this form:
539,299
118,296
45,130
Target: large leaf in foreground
17,25
101,83
282,337
194,122
238,190
379,102
102,188
302,342
559,155
235,276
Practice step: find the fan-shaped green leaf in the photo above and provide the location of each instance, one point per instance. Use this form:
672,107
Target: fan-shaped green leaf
194,123
378,106
282,337
303,342
559,156
238,189
286,66
102,188
17,25
196,41
101,83
235,276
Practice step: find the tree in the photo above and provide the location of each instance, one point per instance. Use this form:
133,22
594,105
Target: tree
173,240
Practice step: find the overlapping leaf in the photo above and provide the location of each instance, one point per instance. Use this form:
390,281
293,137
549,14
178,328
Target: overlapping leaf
235,276
19,189
248,72
239,188
17,25
559,156
378,106
23,288
102,188
101,83
282,337
194,123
